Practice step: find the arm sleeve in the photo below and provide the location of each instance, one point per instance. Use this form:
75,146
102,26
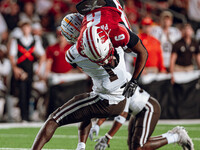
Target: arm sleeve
133,39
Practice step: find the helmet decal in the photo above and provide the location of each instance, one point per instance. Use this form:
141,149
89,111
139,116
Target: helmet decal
70,26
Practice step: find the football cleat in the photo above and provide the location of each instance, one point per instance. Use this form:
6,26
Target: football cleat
184,140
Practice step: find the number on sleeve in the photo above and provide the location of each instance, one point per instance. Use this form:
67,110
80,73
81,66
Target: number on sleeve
93,18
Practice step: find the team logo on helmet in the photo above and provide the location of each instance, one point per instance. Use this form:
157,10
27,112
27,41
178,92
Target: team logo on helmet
97,45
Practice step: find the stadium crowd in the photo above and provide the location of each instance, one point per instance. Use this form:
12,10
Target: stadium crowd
173,26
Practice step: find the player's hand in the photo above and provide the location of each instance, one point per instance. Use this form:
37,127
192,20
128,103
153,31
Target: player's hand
94,130
130,88
102,143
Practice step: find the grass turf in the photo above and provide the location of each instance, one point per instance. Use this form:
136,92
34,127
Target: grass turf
66,137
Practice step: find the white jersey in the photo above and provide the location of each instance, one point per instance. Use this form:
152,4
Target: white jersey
106,82
138,101
166,41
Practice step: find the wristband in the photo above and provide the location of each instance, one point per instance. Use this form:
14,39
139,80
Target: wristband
108,136
134,81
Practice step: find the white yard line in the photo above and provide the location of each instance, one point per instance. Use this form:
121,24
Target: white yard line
179,121
39,124
29,149
70,136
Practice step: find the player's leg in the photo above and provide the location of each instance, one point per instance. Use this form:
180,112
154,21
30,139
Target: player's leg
131,128
53,122
80,108
87,5
144,126
176,135
138,142
45,134
103,142
98,111
118,122
83,132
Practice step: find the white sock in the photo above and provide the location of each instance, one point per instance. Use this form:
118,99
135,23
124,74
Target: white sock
81,145
171,138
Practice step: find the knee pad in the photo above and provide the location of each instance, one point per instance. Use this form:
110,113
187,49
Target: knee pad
138,101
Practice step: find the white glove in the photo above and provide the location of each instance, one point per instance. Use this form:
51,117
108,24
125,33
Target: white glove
102,143
94,129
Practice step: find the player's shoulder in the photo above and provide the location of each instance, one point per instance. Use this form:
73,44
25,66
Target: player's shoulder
71,54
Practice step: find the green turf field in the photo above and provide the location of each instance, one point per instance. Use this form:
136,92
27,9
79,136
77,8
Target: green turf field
66,138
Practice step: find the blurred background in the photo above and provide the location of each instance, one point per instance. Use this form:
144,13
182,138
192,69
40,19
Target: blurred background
35,79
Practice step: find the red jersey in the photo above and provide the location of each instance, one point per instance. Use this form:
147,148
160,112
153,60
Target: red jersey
117,32
155,57
59,65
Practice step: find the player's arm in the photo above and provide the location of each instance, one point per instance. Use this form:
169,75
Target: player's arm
103,142
118,122
135,46
95,128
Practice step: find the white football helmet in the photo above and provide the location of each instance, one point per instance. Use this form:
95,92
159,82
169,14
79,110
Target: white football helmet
70,26
97,45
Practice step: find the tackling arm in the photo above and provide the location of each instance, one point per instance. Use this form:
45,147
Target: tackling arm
119,121
95,128
135,46
103,142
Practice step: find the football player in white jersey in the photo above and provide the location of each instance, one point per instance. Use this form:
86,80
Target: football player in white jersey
108,75
145,113
142,105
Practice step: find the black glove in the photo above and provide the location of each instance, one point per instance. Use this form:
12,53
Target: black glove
130,88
